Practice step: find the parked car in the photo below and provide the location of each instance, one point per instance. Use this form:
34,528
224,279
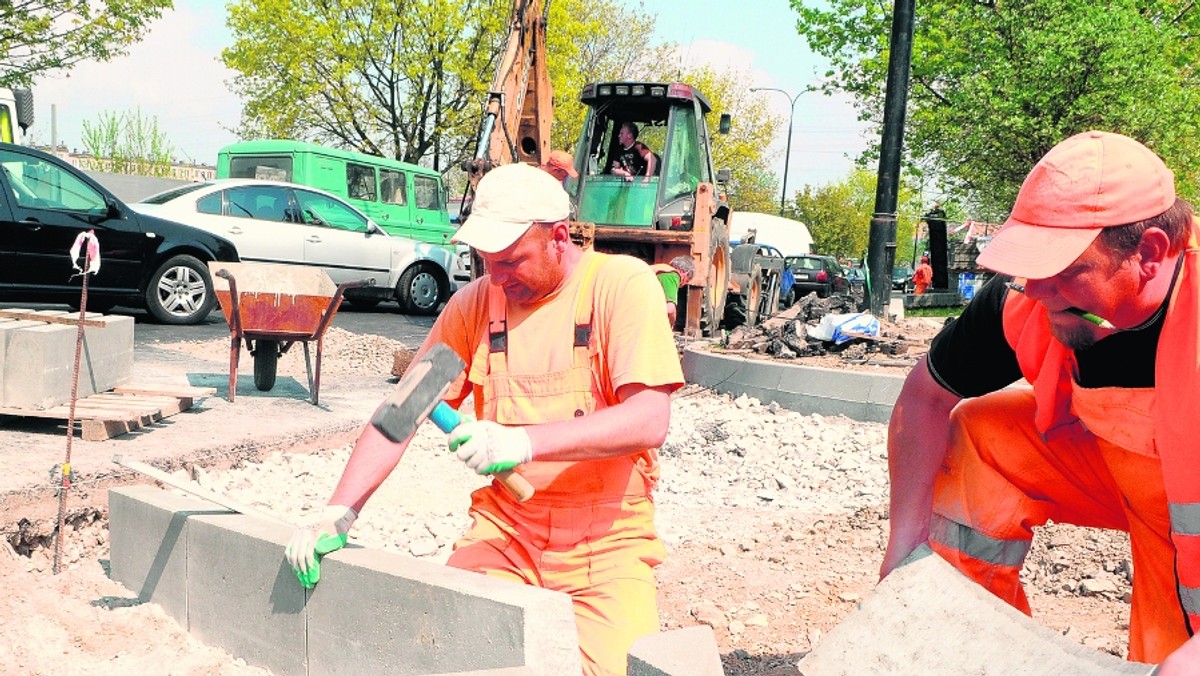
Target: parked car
857,277
902,278
276,222
816,273
145,261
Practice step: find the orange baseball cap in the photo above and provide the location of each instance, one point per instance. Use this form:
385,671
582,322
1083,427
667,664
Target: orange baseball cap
562,160
1089,182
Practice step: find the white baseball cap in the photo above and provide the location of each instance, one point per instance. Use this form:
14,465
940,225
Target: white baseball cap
509,199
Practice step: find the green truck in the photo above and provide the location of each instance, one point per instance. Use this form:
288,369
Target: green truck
404,199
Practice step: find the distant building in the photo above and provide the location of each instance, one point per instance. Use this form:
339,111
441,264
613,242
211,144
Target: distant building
85,161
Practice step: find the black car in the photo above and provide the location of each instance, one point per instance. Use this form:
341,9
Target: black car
144,261
822,274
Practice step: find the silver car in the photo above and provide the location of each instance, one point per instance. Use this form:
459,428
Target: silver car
275,222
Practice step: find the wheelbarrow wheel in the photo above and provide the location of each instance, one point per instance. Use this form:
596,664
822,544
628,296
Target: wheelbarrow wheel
266,363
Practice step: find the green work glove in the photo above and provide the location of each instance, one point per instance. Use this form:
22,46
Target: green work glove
489,447
327,533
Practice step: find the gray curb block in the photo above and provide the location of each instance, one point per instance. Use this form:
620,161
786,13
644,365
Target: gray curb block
858,395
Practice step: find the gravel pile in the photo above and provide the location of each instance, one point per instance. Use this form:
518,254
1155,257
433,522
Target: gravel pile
342,353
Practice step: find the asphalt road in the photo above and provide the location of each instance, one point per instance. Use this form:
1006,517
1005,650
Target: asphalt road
383,320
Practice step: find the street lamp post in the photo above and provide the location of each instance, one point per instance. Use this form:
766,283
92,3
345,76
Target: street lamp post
787,157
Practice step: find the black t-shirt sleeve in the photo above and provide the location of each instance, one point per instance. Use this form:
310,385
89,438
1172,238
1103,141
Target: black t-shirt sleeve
970,357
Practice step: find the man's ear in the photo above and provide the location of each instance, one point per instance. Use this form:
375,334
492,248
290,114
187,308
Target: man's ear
560,232
1152,251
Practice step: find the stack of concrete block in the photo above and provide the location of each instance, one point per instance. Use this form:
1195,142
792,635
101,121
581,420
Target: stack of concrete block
37,358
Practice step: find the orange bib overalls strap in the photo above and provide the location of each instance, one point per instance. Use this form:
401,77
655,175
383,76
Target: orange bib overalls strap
1050,366
576,388
660,268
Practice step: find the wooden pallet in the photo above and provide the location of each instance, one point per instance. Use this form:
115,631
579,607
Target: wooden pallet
119,411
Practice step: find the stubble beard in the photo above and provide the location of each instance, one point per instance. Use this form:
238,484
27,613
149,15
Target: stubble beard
1075,337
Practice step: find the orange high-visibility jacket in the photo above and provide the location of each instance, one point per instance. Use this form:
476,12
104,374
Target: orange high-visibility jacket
1049,365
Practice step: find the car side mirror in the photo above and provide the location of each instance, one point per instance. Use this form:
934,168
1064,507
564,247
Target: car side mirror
723,175
725,124
113,211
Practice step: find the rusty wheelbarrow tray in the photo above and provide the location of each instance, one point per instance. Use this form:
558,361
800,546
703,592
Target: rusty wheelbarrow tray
272,308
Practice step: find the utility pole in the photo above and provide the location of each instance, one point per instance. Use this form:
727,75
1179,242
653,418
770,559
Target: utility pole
881,245
787,154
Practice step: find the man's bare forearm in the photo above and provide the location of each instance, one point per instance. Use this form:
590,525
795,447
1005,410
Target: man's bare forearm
917,443
639,422
372,460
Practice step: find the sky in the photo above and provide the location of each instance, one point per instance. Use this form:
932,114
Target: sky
175,75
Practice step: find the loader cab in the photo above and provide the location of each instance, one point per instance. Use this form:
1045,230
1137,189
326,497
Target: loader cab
670,122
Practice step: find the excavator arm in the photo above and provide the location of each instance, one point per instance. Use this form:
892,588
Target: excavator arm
516,121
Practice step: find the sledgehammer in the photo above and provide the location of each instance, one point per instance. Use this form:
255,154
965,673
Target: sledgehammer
418,396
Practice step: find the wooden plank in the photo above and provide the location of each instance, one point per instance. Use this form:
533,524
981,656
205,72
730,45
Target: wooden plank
51,319
177,392
109,414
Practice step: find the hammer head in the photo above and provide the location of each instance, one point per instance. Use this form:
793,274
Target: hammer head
417,393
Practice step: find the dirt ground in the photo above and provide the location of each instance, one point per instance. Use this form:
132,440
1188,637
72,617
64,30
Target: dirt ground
770,582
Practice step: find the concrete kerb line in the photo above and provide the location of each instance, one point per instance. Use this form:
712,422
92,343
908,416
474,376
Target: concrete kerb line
858,395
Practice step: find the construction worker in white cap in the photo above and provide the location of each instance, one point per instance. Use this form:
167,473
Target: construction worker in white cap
1098,307
571,368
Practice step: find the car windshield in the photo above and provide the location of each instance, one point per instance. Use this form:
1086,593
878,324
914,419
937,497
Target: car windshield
168,195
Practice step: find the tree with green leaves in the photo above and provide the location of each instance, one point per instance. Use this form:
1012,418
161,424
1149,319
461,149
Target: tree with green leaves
838,215
128,143
395,79
594,41
994,85
39,36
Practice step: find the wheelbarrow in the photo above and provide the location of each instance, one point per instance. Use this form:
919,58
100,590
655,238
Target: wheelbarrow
271,308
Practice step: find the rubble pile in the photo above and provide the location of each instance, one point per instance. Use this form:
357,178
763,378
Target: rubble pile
790,335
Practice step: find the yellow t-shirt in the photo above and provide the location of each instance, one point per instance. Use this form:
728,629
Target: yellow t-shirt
636,345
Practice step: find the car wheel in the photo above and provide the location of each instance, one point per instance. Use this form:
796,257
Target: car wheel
180,291
420,291
824,292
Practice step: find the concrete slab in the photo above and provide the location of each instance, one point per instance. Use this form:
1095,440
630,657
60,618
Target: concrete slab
242,595
148,543
691,651
223,576
377,612
927,618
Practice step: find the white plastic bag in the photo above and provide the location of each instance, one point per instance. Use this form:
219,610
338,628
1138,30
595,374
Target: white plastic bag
838,327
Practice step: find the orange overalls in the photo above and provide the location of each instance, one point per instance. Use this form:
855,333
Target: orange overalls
588,531
1118,458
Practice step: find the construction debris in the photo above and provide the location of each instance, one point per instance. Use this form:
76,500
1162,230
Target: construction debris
793,334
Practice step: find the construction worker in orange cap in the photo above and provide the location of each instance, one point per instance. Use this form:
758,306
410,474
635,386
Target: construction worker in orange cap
571,368
922,276
560,165
1097,304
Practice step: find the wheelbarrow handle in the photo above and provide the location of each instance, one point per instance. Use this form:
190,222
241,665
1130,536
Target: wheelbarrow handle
447,419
